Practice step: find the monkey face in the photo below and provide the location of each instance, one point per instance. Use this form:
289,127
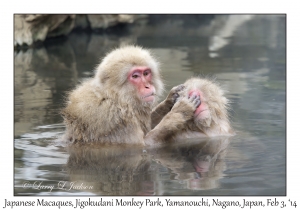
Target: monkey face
213,107
141,78
132,74
202,111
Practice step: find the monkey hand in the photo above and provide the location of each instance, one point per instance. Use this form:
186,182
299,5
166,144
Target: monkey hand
165,106
176,120
174,94
186,106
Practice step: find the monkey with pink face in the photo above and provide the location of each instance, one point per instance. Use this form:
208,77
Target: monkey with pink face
209,118
116,106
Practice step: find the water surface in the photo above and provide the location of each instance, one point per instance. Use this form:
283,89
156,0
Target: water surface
244,53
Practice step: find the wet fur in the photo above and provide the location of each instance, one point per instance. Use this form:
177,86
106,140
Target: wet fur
106,108
180,122
216,121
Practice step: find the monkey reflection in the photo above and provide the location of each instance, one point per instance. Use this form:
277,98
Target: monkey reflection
130,171
200,164
112,170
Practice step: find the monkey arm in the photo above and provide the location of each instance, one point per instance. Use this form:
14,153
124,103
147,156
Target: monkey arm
174,121
165,106
160,111
169,126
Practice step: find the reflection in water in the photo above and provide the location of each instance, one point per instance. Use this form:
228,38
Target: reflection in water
200,164
225,31
250,65
39,76
112,170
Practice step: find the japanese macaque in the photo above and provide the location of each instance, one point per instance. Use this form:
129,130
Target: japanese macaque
209,119
115,106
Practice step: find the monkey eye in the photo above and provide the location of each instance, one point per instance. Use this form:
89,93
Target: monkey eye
135,76
146,73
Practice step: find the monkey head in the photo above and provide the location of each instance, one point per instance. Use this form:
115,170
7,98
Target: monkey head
130,74
211,116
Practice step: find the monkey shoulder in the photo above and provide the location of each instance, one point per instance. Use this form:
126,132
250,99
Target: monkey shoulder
90,109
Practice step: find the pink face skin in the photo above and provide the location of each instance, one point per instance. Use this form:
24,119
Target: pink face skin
201,166
141,78
200,111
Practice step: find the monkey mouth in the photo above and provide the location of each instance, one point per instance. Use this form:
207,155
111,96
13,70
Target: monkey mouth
149,95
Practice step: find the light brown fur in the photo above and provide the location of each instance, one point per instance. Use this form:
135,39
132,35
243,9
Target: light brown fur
111,109
215,121
106,108
181,123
